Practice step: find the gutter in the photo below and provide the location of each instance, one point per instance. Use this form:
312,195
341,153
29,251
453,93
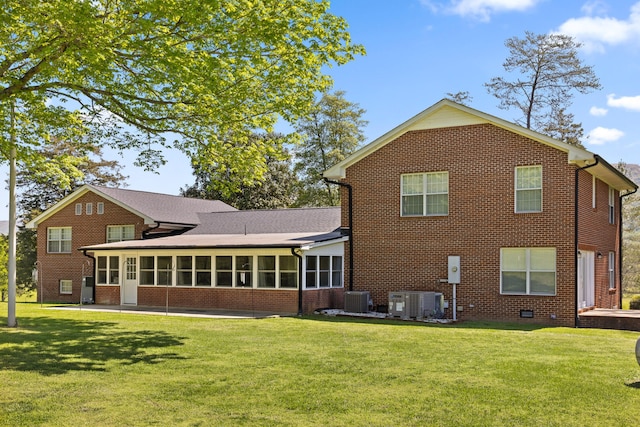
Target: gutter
297,255
620,245
350,234
575,238
146,234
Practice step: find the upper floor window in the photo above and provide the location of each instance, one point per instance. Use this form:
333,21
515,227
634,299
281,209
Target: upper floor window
78,208
100,208
89,208
425,194
528,271
118,233
612,204
528,189
59,240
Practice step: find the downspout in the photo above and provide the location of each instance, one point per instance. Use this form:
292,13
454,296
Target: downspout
620,247
93,292
575,238
297,255
350,192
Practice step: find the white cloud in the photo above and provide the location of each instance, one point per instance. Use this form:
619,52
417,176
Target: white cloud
627,102
596,32
480,9
598,112
601,136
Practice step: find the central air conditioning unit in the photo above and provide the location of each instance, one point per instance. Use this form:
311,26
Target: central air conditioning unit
356,301
397,304
416,304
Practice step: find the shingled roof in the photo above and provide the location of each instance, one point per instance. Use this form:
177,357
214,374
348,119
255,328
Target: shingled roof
153,207
307,220
258,228
163,207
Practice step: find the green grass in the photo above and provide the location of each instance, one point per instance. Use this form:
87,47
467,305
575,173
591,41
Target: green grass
109,369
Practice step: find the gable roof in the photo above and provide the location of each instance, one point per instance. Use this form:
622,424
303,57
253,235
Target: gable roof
447,113
303,228
152,207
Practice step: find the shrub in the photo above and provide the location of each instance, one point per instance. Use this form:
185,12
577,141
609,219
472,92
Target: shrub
634,304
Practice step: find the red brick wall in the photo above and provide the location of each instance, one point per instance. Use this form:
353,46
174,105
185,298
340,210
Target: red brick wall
86,230
598,235
395,253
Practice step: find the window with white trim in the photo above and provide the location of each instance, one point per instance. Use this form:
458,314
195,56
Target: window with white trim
165,270
612,204
59,240
288,271
203,270
108,270
224,271
147,270
78,208
118,233
267,271
184,272
612,270
528,189
323,271
244,268
424,194
66,286
100,208
528,271
89,208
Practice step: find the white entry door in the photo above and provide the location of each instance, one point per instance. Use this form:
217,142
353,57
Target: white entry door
586,281
130,282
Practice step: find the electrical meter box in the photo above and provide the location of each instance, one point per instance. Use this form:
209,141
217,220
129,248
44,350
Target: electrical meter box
454,270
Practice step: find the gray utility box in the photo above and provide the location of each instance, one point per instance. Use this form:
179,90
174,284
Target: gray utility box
356,301
415,304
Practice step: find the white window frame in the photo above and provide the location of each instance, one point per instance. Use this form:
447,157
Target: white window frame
100,208
120,231
88,208
426,193
612,205
57,235
528,270
66,286
612,270
78,208
324,278
519,190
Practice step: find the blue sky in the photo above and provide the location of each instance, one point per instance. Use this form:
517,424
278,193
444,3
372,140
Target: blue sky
419,50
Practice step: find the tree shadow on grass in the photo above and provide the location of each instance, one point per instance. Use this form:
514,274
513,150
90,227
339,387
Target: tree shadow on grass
633,384
56,346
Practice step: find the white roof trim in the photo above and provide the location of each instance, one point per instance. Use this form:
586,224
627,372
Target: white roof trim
76,195
446,113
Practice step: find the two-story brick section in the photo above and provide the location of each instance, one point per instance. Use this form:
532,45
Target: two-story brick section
534,222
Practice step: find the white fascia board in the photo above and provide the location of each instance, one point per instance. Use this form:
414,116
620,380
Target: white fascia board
59,205
323,244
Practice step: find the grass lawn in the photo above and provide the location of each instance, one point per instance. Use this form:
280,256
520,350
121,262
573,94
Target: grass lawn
109,369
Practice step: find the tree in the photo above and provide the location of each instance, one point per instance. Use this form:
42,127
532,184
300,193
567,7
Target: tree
4,276
330,133
276,188
462,97
197,70
550,71
631,233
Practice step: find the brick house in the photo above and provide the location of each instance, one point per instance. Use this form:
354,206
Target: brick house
535,222
151,249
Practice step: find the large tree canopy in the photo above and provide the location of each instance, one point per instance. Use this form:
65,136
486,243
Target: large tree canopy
548,72
196,69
